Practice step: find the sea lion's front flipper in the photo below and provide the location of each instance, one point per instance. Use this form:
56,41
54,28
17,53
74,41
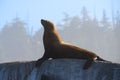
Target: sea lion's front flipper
40,61
88,63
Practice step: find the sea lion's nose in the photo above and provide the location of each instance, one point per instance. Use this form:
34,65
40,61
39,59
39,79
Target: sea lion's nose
42,20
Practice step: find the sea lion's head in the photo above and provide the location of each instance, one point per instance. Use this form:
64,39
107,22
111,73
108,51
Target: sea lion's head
48,26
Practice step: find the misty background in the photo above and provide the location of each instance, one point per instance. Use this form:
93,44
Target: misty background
96,29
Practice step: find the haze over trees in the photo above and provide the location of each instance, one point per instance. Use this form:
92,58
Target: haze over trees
99,35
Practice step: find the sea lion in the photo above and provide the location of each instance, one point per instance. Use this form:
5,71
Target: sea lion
56,48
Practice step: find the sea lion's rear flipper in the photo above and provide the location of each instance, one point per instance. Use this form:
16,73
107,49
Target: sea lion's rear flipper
88,63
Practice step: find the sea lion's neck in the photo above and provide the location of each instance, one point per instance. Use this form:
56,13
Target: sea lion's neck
51,38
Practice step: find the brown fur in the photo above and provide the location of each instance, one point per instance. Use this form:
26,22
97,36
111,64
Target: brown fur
55,47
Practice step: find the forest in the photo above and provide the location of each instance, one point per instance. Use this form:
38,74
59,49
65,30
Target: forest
99,35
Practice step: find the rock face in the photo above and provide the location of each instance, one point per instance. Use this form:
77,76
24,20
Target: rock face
16,70
60,69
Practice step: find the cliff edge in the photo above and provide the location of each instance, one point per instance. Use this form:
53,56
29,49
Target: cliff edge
59,69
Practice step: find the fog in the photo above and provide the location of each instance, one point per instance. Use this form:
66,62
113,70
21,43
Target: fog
100,35
90,24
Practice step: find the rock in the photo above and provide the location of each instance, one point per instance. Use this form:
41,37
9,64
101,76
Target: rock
60,69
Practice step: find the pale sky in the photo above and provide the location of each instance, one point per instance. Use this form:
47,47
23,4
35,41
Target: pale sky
31,11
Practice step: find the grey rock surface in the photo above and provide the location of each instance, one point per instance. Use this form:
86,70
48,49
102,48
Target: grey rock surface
60,69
